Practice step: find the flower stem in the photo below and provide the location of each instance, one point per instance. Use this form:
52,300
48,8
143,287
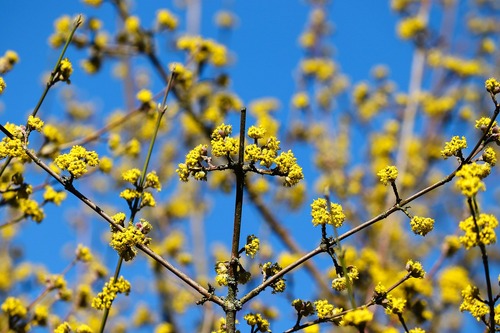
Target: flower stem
232,305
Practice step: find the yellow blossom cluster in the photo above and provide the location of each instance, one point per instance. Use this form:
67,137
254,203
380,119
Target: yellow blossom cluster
77,160
437,106
388,174
31,209
221,142
454,147
492,86
51,195
83,253
35,123
203,50
358,317
304,308
14,307
459,66
322,69
421,225
125,241
325,309
473,304
452,281
257,323
470,176
340,282
252,246
478,230
3,85
14,147
269,269
490,156
7,61
410,27
146,197
322,215
105,298
165,19
415,269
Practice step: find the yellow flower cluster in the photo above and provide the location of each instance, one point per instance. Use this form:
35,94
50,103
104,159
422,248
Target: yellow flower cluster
76,161
322,69
490,156
492,86
394,305
105,298
321,214
286,164
83,253
13,147
225,19
388,174
483,123
51,195
132,176
325,309
252,246
421,225
459,66
32,209
192,166
14,307
481,231
409,27
257,323
3,85
269,269
125,241
470,175
64,71
183,77
454,147
472,303
265,154
7,62
437,106
222,144
415,269
203,50
93,3
166,20
300,100
358,317
304,308
144,96
340,282
35,123
452,281
222,270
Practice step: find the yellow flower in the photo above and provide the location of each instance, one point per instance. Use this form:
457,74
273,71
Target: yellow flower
132,24
388,174
421,225
409,27
166,20
3,85
321,215
144,96
300,100
104,299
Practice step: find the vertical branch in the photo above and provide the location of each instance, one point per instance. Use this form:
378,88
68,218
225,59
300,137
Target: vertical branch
484,256
231,303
